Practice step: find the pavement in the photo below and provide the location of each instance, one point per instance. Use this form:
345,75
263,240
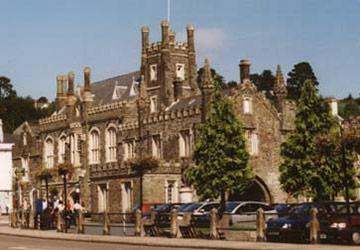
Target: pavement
127,242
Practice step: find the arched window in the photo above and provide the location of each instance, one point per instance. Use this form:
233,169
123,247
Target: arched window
247,105
61,149
110,142
94,147
49,152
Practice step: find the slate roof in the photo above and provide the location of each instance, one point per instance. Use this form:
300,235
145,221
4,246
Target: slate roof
103,90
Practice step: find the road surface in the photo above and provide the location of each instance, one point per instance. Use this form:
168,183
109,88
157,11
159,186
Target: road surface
22,243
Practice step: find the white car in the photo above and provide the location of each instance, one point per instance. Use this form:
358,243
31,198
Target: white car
242,212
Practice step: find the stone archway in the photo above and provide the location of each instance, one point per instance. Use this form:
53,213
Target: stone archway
258,191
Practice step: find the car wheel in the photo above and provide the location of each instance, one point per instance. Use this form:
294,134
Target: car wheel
355,237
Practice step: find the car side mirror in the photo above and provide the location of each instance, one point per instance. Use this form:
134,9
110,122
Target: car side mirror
202,211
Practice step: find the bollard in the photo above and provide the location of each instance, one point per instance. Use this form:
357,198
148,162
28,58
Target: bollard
152,217
186,219
173,223
314,226
260,225
138,216
59,226
23,219
80,222
213,224
32,219
10,219
106,229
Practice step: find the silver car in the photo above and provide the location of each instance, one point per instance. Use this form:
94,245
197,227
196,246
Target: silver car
242,212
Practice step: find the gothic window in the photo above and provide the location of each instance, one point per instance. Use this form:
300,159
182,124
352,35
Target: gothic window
111,144
94,145
253,143
25,166
180,71
247,103
49,152
75,149
129,149
153,104
126,196
156,146
184,144
62,148
153,72
171,191
102,197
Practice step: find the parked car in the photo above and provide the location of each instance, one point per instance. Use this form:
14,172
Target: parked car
339,226
245,211
292,227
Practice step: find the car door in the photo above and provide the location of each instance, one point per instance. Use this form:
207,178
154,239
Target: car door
245,213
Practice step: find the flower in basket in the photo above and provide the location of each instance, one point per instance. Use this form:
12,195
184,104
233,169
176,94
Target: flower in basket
45,173
65,168
144,163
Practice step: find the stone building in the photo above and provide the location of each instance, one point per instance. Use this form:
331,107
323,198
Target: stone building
100,127
6,170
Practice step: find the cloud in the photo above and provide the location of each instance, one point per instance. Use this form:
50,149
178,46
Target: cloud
210,38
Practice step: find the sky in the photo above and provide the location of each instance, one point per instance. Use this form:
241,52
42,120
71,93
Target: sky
40,39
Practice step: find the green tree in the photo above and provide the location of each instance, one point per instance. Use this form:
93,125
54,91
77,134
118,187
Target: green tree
349,107
264,82
296,78
221,159
305,170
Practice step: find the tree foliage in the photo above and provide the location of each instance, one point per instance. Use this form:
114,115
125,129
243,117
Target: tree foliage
264,82
349,107
297,77
311,168
220,156
14,109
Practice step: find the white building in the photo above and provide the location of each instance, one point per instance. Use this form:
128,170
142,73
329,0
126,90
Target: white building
5,171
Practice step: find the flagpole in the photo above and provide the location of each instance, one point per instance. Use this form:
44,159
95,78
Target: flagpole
168,11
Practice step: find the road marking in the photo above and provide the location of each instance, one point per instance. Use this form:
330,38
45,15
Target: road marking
17,248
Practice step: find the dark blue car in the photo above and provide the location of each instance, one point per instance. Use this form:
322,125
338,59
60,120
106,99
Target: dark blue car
292,227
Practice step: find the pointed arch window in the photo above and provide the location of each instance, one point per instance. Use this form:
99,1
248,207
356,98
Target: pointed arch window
111,151
62,148
94,144
49,152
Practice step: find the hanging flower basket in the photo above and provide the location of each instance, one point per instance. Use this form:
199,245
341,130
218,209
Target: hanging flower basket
65,169
143,164
45,173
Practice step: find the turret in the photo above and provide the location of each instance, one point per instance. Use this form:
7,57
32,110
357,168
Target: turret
280,90
164,33
207,89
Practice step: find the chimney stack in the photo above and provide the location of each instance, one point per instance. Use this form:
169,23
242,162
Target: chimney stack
87,86
71,77
333,106
244,70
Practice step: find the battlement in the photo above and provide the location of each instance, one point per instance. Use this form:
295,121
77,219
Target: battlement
109,107
52,119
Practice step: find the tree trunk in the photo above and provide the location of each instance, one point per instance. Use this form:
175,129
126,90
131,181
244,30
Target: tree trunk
222,204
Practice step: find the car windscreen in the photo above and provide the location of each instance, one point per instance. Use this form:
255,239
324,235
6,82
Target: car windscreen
162,208
230,206
190,208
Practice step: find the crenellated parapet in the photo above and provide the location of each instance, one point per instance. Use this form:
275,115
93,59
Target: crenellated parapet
172,115
109,107
52,119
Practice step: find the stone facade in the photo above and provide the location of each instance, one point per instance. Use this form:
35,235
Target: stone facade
156,111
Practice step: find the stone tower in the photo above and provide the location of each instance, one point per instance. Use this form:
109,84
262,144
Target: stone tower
207,88
168,67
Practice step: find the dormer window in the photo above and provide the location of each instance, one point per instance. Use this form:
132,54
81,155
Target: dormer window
153,72
153,104
247,104
180,71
